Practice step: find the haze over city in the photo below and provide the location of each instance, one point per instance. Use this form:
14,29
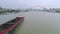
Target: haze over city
29,3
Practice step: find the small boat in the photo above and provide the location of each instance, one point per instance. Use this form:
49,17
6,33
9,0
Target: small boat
10,26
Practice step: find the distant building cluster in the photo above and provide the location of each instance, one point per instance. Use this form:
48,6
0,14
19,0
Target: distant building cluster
54,10
3,9
9,10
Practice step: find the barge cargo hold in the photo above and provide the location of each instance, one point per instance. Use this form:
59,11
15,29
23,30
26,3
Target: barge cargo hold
10,26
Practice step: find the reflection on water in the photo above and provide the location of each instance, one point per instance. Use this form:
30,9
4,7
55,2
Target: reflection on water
38,23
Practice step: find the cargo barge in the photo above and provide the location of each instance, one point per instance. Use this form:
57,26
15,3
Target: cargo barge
10,26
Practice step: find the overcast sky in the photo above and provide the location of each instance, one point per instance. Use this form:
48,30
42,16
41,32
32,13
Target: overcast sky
29,3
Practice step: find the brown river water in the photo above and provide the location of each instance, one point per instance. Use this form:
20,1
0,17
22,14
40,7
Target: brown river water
35,22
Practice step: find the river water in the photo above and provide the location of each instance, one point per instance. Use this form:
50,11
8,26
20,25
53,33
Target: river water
36,22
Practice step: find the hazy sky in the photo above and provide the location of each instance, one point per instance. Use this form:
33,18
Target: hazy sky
29,3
